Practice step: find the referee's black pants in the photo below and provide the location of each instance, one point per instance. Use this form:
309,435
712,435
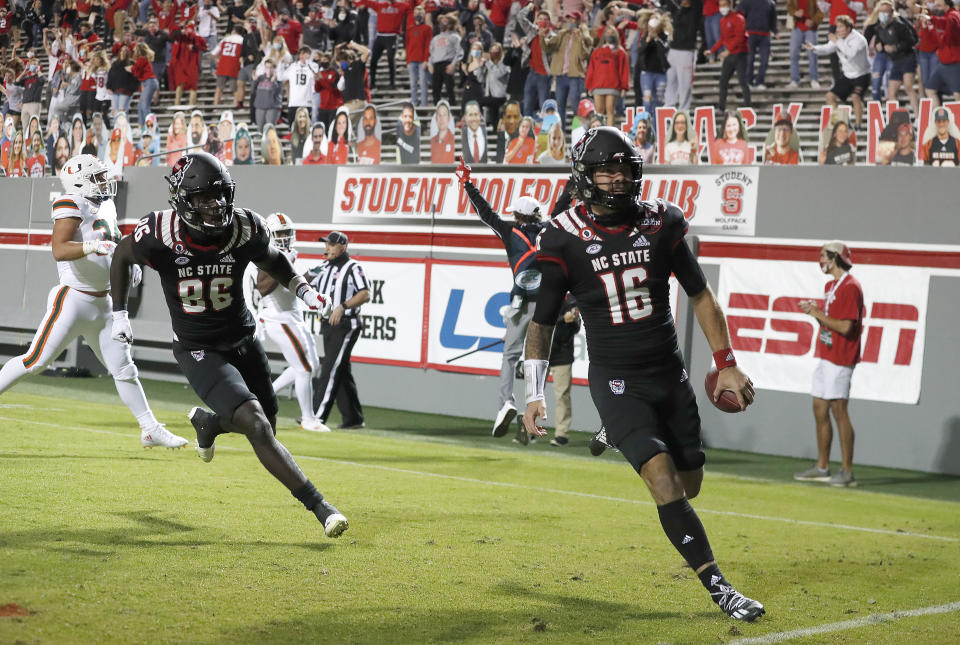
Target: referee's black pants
336,383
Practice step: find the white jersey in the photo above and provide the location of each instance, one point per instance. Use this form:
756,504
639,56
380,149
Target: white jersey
301,77
97,222
280,305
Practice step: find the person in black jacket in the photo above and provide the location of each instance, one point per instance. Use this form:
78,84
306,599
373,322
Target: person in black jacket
519,239
121,82
761,18
687,22
650,73
561,367
899,40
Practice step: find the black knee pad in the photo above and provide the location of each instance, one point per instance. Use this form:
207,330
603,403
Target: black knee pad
689,458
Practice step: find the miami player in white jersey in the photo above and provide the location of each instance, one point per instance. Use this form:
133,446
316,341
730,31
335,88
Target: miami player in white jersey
282,322
85,233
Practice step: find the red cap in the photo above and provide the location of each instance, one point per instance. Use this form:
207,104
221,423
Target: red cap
585,108
841,249
576,15
116,135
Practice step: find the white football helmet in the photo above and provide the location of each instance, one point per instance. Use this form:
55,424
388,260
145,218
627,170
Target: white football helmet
86,175
281,228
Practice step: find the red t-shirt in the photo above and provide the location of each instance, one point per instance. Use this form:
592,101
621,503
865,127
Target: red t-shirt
789,158
142,69
36,165
310,161
291,34
731,154
525,155
847,304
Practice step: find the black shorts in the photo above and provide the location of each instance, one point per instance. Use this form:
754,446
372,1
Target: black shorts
226,379
844,86
646,412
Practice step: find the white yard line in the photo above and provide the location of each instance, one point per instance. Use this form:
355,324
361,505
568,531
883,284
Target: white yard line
874,619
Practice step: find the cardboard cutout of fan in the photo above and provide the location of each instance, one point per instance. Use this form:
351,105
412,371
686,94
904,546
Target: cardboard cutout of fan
727,401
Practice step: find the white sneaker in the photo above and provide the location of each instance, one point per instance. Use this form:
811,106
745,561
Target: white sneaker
158,435
792,85
314,425
335,525
760,86
815,85
505,417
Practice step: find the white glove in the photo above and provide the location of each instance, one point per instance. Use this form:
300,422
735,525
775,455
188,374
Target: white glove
321,304
136,275
100,247
122,331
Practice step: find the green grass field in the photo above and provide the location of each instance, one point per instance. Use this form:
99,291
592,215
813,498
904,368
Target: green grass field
454,537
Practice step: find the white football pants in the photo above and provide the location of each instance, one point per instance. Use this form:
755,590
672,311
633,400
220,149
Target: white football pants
300,352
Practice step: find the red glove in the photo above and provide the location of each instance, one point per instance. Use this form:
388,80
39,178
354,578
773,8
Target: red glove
463,172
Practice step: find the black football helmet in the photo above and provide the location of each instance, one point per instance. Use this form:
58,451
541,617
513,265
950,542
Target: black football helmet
604,145
201,192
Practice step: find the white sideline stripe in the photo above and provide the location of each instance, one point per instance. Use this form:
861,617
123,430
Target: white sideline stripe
552,491
875,619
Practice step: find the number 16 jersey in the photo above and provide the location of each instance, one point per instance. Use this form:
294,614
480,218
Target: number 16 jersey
203,285
620,278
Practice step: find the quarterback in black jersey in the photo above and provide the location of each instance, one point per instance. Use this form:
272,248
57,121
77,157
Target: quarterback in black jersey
615,254
200,249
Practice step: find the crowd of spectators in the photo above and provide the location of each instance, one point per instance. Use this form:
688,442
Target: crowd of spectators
520,73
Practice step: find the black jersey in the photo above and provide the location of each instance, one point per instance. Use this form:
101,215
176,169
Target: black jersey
203,286
943,152
619,278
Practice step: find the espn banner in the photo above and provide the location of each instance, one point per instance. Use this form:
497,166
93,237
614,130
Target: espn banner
721,201
775,341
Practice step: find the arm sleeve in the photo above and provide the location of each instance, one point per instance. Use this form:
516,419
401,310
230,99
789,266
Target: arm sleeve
486,213
687,269
553,289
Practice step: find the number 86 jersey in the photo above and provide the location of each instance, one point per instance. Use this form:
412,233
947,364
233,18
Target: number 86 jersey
620,278
203,285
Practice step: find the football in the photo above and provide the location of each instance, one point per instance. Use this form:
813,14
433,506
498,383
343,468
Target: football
727,401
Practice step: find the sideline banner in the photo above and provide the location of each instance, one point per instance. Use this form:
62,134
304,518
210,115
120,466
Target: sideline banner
775,341
715,201
393,317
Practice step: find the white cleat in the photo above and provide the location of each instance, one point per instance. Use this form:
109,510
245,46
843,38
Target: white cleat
201,419
314,425
335,525
206,454
158,435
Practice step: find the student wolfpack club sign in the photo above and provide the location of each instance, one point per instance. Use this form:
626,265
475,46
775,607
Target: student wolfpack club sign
761,285
714,200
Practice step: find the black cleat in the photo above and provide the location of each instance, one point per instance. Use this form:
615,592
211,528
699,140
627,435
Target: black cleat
334,522
599,443
204,423
736,605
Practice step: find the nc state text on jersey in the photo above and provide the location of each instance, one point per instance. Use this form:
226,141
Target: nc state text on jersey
622,259
205,269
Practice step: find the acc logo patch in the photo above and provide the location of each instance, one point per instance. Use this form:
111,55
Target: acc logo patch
179,248
586,234
618,386
197,355
182,259
593,249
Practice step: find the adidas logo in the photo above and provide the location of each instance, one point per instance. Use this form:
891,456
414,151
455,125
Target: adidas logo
683,376
714,580
641,241
227,258
729,356
687,540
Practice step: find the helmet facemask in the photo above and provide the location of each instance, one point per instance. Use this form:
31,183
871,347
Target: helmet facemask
283,238
622,190
100,188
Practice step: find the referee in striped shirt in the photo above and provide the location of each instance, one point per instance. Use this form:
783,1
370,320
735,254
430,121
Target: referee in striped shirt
341,279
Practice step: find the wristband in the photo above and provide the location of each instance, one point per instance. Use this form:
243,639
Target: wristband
120,314
90,246
534,377
724,359
298,285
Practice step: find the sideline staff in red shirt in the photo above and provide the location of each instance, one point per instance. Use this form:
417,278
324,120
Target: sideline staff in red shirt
838,348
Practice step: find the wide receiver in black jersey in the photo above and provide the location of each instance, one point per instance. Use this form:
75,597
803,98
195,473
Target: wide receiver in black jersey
200,248
615,254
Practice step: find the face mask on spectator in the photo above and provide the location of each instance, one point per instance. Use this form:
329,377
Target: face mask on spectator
344,65
342,16
543,24
654,22
475,53
418,19
613,41
724,11
883,17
